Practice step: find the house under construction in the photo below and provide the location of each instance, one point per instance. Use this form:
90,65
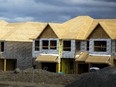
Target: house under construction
76,45
70,47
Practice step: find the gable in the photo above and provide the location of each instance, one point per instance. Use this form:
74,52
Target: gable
99,33
48,33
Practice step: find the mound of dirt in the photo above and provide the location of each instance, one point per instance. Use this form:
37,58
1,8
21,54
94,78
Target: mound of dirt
103,78
38,76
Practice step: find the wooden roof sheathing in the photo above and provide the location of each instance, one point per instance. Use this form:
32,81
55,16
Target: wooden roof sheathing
24,31
47,58
81,57
110,28
98,59
78,28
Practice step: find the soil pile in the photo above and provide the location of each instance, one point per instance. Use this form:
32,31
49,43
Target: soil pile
38,76
103,78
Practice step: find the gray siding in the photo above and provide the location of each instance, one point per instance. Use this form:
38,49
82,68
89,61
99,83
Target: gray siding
22,51
83,46
113,47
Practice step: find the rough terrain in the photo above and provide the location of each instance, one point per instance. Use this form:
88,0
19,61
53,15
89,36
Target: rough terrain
35,78
40,78
103,78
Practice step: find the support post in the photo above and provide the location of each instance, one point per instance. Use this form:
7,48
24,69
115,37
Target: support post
4,64
59,67
60,56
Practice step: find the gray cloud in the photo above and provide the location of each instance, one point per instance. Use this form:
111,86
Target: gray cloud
55,10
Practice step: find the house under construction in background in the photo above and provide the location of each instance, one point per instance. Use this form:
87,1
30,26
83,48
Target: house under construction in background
16,45
70,47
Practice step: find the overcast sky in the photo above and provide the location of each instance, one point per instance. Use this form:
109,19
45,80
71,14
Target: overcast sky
55,10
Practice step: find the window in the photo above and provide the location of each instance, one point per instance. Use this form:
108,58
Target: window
53,44
100,46
2,46
45,44
87,46
36,45
78,45
66,45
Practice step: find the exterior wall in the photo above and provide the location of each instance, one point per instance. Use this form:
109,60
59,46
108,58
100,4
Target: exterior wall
69,54
21,51
65,54
91,48
83,46
113,47
44,51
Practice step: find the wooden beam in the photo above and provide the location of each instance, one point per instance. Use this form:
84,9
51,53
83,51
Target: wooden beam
4,64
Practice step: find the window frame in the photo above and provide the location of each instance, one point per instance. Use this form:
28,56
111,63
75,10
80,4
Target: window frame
54,45
87,45
2,43
64,48
37,48
46,47
103,48
115,46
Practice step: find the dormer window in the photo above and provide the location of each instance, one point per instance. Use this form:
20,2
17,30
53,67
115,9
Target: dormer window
100,46
45,44
53,44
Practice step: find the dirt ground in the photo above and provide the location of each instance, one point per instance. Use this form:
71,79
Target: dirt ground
26,84
35,78
40,78
103,78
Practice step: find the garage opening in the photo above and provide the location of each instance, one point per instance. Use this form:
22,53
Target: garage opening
49,66
10,64
67,65
99,65
83,68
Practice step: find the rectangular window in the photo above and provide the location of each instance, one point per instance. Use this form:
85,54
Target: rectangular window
87,46
53,44
66,45
2,46
45,44
78,45
36,45
100,46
